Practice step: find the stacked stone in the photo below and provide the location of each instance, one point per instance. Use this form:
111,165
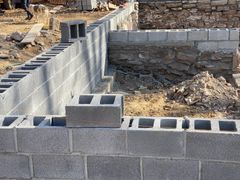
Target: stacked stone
189,13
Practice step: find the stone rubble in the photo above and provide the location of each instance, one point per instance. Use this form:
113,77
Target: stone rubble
206,91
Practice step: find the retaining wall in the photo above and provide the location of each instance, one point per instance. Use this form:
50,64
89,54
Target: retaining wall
47,82
175,54
144,148
182,14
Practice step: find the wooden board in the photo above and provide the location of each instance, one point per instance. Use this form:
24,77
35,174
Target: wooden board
32,34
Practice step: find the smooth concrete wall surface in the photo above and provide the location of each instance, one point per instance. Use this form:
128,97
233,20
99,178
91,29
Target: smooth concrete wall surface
47,82
143,148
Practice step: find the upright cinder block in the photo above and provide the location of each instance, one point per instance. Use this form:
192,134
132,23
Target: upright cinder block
220,171
58,166
143,138
234,34
198,35
99,141
109,168
7,132
157,35
137,36
73,30
177,35
154,169
43,135
118,36
13,166
95,110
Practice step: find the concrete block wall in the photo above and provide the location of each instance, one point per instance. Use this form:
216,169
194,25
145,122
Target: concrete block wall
143,148
204,39
47,82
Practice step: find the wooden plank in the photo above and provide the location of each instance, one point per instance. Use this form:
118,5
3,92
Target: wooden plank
32,34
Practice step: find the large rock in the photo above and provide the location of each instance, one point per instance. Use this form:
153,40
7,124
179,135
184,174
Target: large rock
16,36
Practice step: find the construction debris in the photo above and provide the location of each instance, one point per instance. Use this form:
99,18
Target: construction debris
32,34
205,91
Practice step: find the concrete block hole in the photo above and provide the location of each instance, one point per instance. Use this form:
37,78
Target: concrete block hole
85,99
58,121
81,30
107,100
16,75
5,85
227,126
168,123
7,121
73,31
145,123
2,90
202,125
10,80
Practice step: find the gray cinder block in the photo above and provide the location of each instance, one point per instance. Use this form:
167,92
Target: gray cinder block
73,30
198,35
109,168
48,136
119,36
156,143
218,34
14,166
99,141
58,166
207,46
220,171
95,110
234,34
154,169
7,137
228,45
177,35
137,36
157,35
205,144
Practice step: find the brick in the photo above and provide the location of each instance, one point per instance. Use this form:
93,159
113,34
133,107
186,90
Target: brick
220,171
175,35
215,146
234,34
207,46
58,166
14,166
218,34
137,36
119,36
155,143
108,168
197,35
95,111
43,140
157,35
228,45
99,141
154,169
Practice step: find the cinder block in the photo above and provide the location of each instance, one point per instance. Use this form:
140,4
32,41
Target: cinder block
198,35
119,36
73,30
99,141
220,171
109,168
58,166
154,169
95,111
155,143
177,35
216,146
7,137
49,138
207,46
234,34
228,45
137,36
14,166
218,34
157,35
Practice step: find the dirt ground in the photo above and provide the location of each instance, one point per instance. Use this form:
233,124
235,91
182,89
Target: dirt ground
145,97
14,21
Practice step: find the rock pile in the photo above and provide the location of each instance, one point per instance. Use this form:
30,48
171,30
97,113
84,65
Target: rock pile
205,91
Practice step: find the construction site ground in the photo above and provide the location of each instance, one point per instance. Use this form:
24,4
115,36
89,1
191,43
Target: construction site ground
12,53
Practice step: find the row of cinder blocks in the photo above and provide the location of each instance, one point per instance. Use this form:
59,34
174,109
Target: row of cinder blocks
96,167
165,137
202,35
